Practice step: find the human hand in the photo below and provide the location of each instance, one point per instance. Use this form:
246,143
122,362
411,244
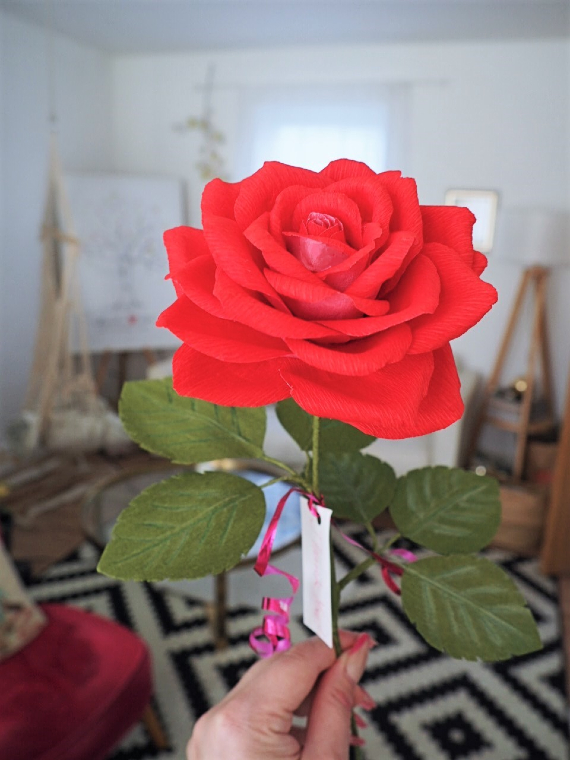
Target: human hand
255,720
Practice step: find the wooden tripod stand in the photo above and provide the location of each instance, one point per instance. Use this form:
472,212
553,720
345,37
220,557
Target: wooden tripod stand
533,278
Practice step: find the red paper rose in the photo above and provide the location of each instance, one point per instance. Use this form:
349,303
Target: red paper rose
336,288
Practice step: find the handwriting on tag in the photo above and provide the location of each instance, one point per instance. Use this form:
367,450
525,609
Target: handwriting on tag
315,537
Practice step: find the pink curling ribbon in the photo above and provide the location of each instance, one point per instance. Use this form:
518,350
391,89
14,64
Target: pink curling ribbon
388,569
275,627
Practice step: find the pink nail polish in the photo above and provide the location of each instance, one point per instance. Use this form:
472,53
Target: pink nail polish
363,639
364,699
357,741
355,657
360,722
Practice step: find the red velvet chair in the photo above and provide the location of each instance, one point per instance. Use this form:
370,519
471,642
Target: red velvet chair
75,690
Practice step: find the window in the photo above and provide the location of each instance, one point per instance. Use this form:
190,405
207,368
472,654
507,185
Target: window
313,126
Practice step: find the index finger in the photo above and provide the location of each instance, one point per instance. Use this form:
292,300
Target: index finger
293,673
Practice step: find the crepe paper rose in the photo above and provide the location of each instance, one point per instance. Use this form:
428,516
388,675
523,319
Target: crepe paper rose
336,288
334,295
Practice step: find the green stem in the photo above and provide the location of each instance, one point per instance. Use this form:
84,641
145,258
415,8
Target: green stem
293,475
316,431
355,753
355,572
335,604
391,542
372,533
273,481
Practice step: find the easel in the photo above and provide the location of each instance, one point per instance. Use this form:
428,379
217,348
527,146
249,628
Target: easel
123,360
54,375
534,279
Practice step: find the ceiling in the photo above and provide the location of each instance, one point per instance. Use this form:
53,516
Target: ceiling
147,26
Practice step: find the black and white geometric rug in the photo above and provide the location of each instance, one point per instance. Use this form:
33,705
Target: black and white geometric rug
430,707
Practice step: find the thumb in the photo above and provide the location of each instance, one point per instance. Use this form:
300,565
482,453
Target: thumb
328,728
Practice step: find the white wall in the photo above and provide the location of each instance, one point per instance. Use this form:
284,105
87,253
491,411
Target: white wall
82,79
482,115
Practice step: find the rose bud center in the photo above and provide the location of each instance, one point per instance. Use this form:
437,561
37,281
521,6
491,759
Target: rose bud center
323,225
309,245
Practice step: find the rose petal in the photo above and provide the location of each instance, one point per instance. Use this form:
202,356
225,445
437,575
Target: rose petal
257,193
337,205
402,400
235,255
417,293
343,168
312,300
390,261
276,256
182,245
316,255
337,306
243,307
479,262
219,199
197,280
220,338
281,214
463,300
387,401
371,196
372,307
303,290
342,275
452,226
359,357
226,383
406,215
441,406
374,232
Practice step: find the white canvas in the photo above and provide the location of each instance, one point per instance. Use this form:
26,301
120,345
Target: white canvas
120,221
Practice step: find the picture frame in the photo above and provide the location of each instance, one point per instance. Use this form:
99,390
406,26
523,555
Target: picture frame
120,220
483,204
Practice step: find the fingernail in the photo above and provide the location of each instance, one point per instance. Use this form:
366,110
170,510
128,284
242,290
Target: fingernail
356,656
357,741
360,722
364,700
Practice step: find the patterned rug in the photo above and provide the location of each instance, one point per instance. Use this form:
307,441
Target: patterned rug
430,707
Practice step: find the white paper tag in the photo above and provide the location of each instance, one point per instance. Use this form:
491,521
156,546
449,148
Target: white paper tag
315,537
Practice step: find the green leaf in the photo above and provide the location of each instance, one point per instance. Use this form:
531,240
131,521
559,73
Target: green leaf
468,607
188,526
186,430
356,486
447,509
334,435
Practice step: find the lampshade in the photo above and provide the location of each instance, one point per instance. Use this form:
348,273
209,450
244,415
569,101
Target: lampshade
533,236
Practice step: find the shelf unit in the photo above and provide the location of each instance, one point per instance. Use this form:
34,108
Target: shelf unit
530,418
